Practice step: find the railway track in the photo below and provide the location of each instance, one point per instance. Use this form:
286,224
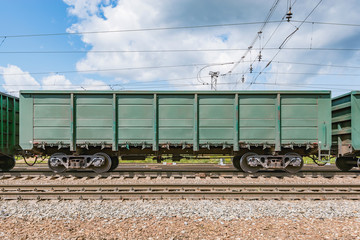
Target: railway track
175,174
183,191
180,171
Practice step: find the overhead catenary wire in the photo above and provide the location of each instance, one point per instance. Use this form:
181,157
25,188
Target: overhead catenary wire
267,19
101,85
172,28
151,83
271,12
285,42
195,50
2,42
317,64
104,70
182,85
271,36
179,50
132,30
168,66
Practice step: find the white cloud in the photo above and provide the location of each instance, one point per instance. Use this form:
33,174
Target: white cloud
16,79
142,14
84,8
136,14
57,82
91,84
13,83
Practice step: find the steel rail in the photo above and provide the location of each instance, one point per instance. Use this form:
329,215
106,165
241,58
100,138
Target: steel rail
180,191
177,174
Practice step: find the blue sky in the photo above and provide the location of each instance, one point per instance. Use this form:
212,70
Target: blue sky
37,16
21,17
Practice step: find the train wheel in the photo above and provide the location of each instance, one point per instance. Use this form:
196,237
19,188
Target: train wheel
236,162
7,163
294,169
52,163
106,166
114,163
244,165
341,164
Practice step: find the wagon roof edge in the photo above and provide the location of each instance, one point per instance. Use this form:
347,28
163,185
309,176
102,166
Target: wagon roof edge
172,92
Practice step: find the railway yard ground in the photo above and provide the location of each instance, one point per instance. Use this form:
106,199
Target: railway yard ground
183,201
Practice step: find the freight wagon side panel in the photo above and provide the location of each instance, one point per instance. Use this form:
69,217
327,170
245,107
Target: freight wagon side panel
285,119
176,119
355,120
93,119
341,124
120,120
216,119
45,119
9,124
346,123
257,114
305,119
135,116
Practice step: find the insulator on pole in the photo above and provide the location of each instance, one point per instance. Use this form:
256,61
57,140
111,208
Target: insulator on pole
289,15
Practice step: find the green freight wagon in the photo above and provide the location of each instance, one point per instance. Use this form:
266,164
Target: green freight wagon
261,129
9,131
346,130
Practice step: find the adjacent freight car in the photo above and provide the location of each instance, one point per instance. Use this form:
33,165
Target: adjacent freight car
346,130
9,131
90,129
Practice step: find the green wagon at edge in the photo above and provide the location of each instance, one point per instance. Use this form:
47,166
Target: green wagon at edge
248,125
9,131
346,130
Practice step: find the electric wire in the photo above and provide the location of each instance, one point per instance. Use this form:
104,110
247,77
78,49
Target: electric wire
2,42
170,66
105,70
284,42
179,50
272,34
271,11
173,28
292,85
132,30
151,83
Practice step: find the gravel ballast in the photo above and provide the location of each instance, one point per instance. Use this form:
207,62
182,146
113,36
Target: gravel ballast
184,219
209,209
179,228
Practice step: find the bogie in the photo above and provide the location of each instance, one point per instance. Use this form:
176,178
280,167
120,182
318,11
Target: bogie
251,162
99,162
